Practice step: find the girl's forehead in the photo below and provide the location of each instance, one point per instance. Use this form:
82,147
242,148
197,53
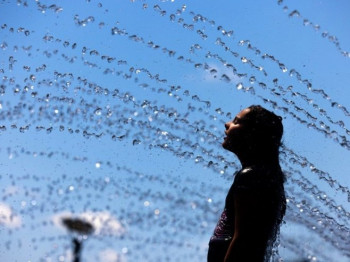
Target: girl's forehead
243,113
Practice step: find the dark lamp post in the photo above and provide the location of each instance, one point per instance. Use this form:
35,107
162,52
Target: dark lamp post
76,225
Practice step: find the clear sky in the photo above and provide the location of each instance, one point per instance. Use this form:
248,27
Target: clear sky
114,112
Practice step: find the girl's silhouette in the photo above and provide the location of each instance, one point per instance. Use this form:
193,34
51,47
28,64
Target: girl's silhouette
255,203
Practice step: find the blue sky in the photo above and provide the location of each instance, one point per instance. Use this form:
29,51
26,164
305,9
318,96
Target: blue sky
123,124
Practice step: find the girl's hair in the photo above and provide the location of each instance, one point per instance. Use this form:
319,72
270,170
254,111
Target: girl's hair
265,132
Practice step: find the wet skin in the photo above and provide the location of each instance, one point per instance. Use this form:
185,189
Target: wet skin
235,133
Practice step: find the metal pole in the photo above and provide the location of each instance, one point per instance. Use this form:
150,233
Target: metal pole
77,245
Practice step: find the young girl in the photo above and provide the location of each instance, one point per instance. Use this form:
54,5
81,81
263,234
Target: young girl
255,203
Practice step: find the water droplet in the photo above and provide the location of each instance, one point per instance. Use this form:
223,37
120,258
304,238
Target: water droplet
32,77
225,78
306,22
198,159
219,111
241,42
98,111
294,13
136,142
252,79
213,71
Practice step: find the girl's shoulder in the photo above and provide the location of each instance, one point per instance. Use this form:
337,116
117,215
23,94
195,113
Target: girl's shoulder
258,177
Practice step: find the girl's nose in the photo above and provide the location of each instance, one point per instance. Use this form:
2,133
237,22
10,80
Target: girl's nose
226,125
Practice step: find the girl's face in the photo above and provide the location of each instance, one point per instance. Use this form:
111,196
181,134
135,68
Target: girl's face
235,132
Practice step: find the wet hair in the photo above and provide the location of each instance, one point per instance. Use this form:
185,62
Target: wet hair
265,131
